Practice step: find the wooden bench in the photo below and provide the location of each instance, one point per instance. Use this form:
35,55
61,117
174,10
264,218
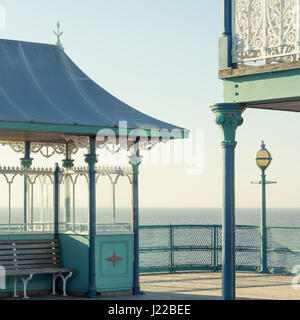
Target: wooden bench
25,258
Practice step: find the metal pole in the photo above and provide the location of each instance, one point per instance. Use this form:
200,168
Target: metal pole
263,227
91,159
228,238
228,117
26,156
227,32
135,160
114,204
67,164
56,200
172,269
215,244
227,12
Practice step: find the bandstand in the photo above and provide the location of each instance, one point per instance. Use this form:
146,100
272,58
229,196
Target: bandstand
49,106
259,65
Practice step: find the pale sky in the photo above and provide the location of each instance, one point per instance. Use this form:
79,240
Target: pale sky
160,56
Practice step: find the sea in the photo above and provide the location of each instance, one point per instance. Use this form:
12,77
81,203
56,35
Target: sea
166,216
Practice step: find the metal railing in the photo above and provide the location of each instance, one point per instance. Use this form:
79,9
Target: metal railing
28,227
265,31
83,228
199,247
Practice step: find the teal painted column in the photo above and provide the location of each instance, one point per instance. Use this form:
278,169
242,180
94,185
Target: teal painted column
228,117
225,42
26,163
91,160
135,160
56,200
67,164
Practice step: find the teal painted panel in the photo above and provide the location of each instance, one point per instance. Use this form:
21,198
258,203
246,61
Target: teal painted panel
38,282
75,254
272,86
114,262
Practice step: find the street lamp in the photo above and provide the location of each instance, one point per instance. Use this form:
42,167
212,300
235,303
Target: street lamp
263,160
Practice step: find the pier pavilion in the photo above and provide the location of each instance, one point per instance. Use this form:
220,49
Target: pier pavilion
49,106
259,64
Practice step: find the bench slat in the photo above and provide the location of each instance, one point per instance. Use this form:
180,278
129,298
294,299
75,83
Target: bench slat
31,262
29,246
8,252
28,257
34,266
38,271
28,241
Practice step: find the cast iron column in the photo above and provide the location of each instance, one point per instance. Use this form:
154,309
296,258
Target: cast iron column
227,12
225,43
67,164
56,199
26,163
135,160
91,160
228,117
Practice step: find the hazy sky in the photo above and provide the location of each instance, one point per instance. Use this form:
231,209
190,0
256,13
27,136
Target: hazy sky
160,56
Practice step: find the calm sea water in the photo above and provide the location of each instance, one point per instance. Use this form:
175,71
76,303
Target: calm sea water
166,216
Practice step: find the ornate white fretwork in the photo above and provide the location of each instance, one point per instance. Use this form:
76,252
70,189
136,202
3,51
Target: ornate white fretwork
75,143
45,149
265,31
111,144
16,146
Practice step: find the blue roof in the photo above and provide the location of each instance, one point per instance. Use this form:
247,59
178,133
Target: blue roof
39,83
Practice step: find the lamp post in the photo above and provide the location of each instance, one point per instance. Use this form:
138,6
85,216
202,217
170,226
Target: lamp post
263,160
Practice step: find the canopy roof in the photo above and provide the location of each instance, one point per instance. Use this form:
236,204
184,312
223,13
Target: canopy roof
41,89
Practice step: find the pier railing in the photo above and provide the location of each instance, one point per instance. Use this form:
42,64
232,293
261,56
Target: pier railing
199,247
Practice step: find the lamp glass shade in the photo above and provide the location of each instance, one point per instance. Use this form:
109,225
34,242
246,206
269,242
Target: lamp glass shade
263,158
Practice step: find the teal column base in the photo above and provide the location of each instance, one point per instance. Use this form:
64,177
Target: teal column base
137,292
263,271
93,294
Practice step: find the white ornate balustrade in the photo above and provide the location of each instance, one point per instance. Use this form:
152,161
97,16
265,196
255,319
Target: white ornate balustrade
265,31
42,180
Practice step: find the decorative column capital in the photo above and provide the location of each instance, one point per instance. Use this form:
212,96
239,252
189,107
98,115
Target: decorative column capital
68,163
135,161
229,118
91,160
26,162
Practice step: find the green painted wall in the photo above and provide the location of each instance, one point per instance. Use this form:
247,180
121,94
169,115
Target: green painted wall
112,277
271,86
38,282
75,254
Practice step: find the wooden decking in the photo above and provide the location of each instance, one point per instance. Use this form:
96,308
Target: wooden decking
206,286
